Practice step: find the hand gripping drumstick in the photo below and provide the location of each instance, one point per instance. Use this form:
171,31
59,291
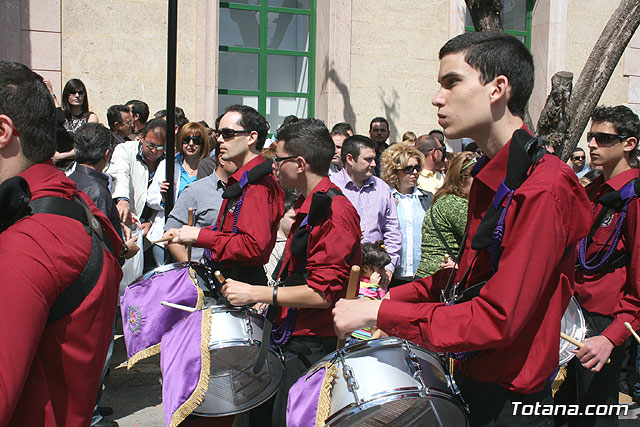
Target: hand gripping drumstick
628,326
352,291
189,222
574,342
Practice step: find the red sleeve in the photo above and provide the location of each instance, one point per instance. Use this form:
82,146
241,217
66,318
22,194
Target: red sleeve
333,247
515,291
262,208
31,283
423,290
628,308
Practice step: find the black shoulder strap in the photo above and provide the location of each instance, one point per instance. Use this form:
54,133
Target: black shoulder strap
259,171
77,209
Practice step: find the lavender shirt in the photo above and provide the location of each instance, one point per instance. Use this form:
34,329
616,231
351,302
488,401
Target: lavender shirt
377,209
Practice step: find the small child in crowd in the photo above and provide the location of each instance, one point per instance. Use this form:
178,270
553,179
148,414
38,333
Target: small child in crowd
374,259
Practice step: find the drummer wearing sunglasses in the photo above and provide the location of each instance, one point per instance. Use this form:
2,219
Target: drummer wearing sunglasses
607,284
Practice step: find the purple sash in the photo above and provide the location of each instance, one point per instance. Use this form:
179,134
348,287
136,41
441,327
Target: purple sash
310,398
145,320
185,364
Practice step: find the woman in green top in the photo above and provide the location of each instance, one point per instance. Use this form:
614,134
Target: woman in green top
444,223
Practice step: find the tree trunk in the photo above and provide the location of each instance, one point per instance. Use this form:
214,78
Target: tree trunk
485,14
555,117
598,69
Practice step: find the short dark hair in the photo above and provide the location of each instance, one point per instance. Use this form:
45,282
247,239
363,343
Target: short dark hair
623,119
494,54
374,254
251,120
91,140
140,108
158,126
426,143
353,145
378,120
309,139
577,149
114,114
341,128
26,100
70,87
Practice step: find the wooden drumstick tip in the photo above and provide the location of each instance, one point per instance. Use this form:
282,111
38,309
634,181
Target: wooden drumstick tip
630,328
169,238
219,277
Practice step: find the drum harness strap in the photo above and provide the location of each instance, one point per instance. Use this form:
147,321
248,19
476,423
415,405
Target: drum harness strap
607,261
525,152
318,213
237,191
15,199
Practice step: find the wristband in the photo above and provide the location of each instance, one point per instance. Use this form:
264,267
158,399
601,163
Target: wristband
275,296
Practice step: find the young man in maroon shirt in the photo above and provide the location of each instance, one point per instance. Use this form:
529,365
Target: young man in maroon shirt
607,286
513,325
248,222
304,153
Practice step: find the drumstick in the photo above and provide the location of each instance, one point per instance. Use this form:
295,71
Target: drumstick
178,306
574,342
352,291
164,239
628,326
377,334
189,222
219,277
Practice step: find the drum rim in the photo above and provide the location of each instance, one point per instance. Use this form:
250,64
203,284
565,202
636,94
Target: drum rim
232,343
166,268
562,361
394,395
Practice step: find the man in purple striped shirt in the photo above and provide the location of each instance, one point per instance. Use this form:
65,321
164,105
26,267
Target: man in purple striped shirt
371,197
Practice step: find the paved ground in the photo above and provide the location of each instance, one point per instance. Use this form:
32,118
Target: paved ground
136,395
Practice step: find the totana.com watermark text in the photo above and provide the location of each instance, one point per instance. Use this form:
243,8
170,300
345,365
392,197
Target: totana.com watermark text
538,409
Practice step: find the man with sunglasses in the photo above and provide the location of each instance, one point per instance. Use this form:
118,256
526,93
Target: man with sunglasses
246,230
132,168
578,162
607,283
431,177
120,122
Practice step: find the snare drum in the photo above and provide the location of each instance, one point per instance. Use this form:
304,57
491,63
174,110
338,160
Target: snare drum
234,345
391,382
574,325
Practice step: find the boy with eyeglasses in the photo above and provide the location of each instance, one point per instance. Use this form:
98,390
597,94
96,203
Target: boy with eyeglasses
607,278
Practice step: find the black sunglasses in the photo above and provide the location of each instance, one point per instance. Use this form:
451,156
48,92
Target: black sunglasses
192,138
228,133
283,158
604,138
409,169
442,149
578,157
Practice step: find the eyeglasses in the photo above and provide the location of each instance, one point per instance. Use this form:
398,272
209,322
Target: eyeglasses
79,92
228,133
411,168
282,159
442,149
578,157
604,138
195,139
152,146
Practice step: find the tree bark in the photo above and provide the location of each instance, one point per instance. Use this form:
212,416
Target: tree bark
598,69
485,14
555,117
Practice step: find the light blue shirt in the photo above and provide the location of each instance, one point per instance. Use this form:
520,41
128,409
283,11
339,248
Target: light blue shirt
411,215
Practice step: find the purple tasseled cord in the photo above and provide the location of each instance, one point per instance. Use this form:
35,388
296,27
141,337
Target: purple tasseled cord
615,235
498,235
280,335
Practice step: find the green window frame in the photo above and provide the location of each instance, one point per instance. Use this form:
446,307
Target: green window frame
525,34
263,51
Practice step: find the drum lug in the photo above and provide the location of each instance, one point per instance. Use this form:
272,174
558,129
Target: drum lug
349,377
417,370
247,328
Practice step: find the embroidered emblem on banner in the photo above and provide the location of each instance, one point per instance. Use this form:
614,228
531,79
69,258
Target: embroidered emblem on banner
607,220
134,319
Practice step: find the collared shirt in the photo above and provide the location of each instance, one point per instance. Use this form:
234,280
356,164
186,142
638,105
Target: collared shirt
205,197
410,215
430,181
617,293
333,248
582,172
261,211
515,320
143,160
377,209
50,373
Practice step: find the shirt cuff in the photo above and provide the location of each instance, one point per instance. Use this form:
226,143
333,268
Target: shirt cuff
392,314
617,333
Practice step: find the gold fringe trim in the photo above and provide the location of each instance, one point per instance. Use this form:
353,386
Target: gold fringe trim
557,382
324,399
143,354
203,383
200,301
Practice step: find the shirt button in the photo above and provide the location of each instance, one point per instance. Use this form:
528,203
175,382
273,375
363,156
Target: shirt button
394,330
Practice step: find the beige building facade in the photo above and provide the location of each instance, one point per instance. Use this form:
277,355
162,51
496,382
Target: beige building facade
359,58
